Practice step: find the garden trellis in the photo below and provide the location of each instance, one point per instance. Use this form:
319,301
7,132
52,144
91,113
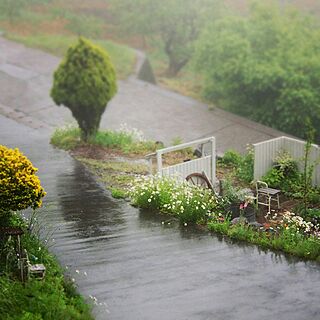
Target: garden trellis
266,151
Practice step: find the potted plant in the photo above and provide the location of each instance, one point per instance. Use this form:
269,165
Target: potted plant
238,201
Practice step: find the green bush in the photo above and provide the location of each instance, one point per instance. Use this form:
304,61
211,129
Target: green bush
231,157
244,171
85,82
264,65
311,214
284,175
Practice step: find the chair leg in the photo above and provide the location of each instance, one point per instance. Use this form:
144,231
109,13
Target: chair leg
278,200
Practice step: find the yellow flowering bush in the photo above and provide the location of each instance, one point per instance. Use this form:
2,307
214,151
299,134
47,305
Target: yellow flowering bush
20,188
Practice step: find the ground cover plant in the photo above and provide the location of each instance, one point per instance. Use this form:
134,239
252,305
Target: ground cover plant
52,298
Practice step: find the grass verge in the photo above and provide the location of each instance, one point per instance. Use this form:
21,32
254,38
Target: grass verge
69,138
286,240
122,57
54,298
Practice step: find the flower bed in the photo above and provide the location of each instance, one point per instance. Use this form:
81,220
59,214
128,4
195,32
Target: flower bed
187,203
290,234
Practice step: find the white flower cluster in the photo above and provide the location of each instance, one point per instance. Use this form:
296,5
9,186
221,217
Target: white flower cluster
172,195
291,220
136,134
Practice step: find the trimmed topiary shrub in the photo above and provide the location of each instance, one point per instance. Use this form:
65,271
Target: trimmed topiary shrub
85,82
19,186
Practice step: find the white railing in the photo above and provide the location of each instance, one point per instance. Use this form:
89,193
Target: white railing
265,152
207,162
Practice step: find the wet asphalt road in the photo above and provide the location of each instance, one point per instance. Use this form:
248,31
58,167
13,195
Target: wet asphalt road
139,269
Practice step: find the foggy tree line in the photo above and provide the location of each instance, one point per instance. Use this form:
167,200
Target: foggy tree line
264,65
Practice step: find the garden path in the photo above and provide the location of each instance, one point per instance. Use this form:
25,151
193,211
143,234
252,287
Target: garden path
139,268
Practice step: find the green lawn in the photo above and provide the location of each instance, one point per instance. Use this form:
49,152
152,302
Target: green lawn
121,56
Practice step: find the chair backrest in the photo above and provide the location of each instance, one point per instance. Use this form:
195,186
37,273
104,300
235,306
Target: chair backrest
261,184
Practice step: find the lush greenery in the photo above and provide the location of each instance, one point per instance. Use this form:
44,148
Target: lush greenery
286,176
85,82
286,238
19,186
187,203
173,24
264,65
125,139
242,165
53,298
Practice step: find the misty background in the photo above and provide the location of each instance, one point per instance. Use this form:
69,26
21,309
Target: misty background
258,59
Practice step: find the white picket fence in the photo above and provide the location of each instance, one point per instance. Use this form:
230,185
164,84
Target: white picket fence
207,162
265,152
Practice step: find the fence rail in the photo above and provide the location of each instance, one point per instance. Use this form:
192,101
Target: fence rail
207,162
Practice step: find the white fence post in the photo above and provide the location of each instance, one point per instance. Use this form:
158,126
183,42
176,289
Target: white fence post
213,160
159,162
